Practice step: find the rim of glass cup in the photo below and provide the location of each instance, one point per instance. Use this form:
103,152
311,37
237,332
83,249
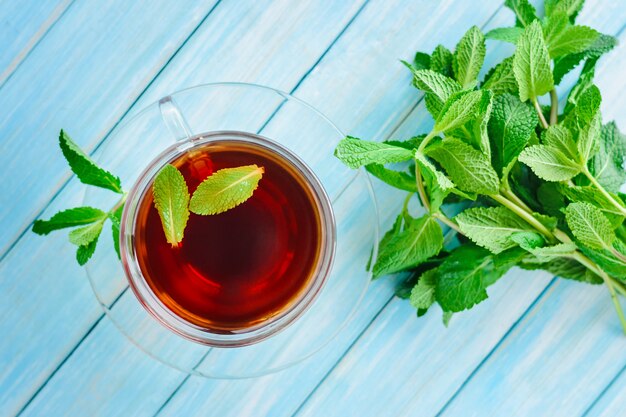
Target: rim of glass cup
155,307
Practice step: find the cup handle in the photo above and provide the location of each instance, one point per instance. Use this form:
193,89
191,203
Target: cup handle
174,119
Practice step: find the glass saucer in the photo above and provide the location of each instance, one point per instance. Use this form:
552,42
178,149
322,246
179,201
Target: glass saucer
297,127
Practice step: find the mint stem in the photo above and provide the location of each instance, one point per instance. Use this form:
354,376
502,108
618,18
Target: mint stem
542,118
603,191
554,109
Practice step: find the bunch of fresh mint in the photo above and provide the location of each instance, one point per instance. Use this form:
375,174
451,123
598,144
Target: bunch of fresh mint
541,185
219,192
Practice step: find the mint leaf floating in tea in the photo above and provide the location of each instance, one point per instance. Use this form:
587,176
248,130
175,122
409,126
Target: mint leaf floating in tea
225,189
91,219
171,198
533,187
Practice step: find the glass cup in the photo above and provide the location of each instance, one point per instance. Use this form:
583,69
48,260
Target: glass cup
179,325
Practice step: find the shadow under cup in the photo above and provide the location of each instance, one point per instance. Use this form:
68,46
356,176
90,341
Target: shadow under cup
165,286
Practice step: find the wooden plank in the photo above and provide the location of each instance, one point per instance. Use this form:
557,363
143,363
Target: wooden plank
400,96
82,76
22,25
611,402
22,351
367,367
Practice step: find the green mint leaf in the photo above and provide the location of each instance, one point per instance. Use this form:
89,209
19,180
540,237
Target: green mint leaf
85,235
68,218
561,138
420,240
589,138
531,64
570,8
551,199
534,245
586,109
477,127
116,220
491,227
565,64
585,81
397,179
549,163
85,252
409,144
592,196
501,78
423,293
438,89
469,56
446,317
437,184
589,225
468,168
441,61
607,260
525,13
85,168
421,60
225,189
395,229
355,153
510,127
463,277
171,199
564,268
460,108
510,34
607,166
528,240
563,38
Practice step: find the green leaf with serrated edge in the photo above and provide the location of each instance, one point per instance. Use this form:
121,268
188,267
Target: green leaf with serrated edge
68,218
469,56
87,234
171,199
463,277
225,189
354,153
468,168
420,240
607,260
562,38
570,8
85,252
585,81
564,268
421,60
438,88
479,137
437,184
423,293
397,179
525,13
394,230
459,109
549,163
589,225
561,138
586,109
565,64
533,243
588,142
550,222
531,64
509,34
85,168
116,220
501,79
491,227
607,166
410,144
510,126
591,195
551,199
441,61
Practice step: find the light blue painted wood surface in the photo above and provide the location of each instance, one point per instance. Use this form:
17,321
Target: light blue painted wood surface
537,347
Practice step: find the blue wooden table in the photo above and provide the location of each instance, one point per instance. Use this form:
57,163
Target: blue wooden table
538,346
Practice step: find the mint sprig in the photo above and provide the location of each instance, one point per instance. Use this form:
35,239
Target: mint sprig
538,186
